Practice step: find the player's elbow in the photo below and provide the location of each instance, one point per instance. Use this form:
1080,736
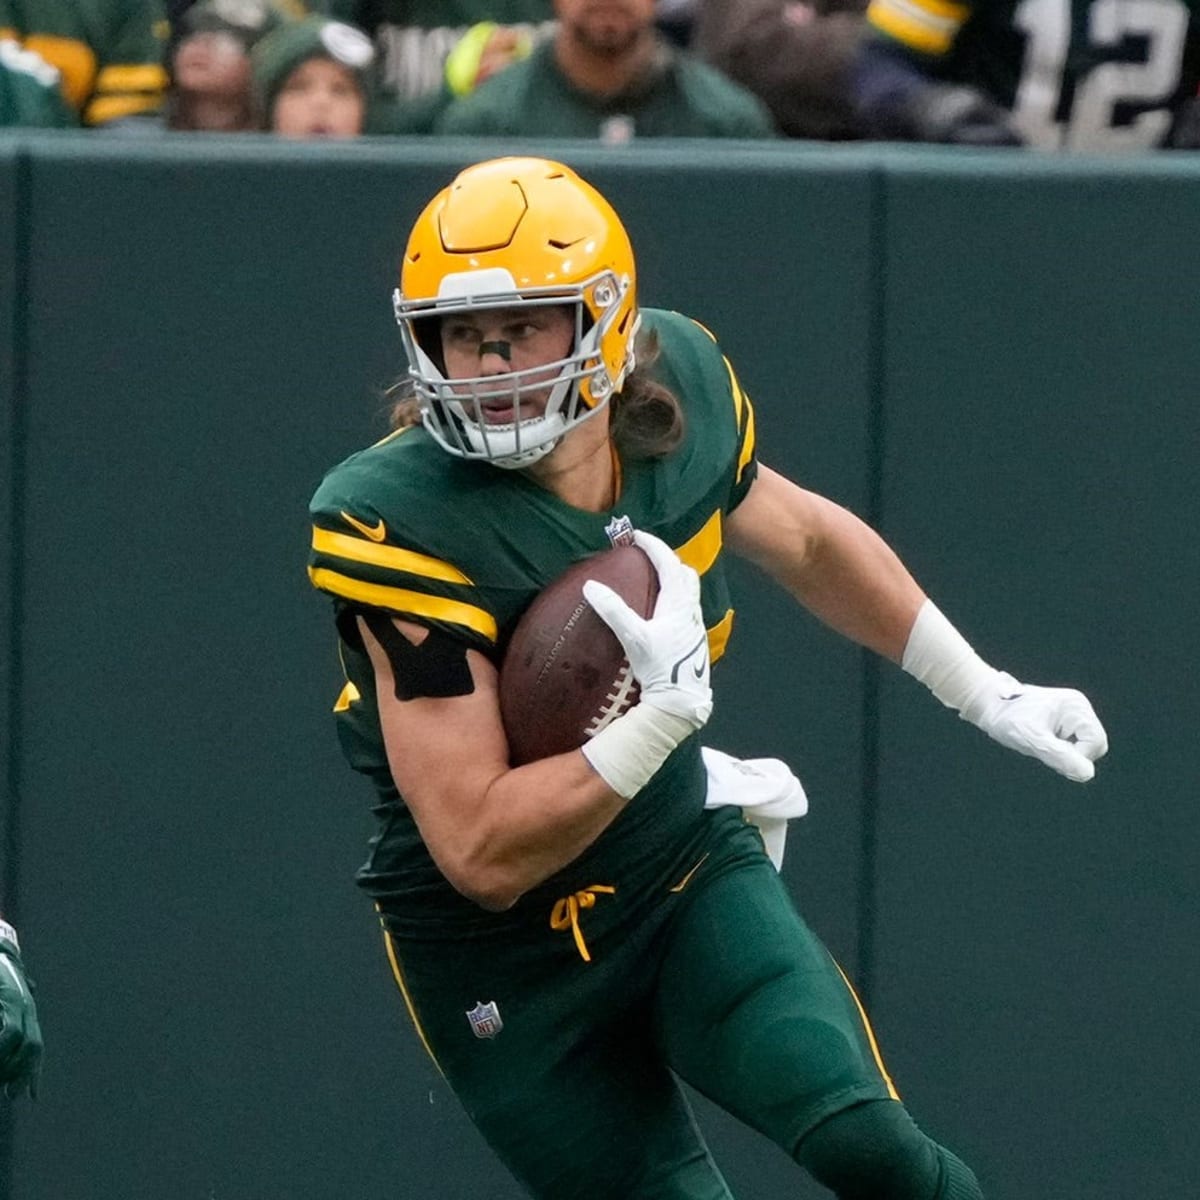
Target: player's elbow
482,879
494,897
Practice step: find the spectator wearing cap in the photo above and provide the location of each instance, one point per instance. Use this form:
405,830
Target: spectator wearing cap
210,64
312,79
431,51
608,73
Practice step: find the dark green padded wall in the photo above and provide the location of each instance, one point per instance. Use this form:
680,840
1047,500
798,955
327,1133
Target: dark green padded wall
11,265
1036,954
11,314
212,328
993,354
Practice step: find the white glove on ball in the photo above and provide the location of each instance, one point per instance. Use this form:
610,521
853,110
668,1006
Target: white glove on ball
668,656
668,652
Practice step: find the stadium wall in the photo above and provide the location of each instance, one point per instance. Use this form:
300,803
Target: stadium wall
991,356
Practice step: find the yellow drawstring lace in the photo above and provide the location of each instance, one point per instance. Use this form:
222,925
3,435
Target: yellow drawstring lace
565,914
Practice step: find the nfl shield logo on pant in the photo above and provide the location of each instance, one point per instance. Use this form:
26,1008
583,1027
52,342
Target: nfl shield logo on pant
485,1019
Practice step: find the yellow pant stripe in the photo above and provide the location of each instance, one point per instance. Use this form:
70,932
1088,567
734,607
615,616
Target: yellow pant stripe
412,1012
862,1012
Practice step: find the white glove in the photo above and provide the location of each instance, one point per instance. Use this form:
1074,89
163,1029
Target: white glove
1057,726
668,653
668,656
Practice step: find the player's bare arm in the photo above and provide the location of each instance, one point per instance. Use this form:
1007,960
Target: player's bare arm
494,830
844,573
840,569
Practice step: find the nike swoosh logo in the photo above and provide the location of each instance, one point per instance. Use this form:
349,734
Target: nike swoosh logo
375,532
675,669
1014,696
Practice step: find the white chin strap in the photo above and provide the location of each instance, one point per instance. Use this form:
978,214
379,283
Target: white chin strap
500,445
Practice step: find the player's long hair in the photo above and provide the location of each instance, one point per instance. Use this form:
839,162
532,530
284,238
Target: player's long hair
647,418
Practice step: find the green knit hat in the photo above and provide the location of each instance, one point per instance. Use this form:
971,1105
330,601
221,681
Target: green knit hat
247,20
283,50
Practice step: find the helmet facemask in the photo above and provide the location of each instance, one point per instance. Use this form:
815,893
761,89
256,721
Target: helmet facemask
579,384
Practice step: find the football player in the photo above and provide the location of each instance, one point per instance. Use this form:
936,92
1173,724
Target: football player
20,1034
1088,75
573,935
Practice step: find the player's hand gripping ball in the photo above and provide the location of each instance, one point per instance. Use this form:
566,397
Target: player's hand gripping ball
565,675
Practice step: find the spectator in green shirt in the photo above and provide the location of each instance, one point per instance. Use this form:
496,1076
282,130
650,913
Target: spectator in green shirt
607,73
29,90
430,51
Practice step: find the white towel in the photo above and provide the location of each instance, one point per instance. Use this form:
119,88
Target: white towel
764,787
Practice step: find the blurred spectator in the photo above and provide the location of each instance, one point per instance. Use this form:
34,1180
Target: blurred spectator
210,64
415,40
609,73
675,19
110,53
1054,74
312,79
795,56
29,90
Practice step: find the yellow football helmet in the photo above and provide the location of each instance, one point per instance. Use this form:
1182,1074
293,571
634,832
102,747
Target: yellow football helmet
506,233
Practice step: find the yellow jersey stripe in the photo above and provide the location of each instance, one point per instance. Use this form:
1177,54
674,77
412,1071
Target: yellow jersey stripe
140,77
862,1012
739,396
718,636
712,336
112,108
918,24
701,549
747,442
345,545
347,696
391,437
398,975
401,600
75,60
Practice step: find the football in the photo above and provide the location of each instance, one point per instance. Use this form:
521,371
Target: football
564,676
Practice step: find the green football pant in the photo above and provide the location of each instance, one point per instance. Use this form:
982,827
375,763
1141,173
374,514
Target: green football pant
717,981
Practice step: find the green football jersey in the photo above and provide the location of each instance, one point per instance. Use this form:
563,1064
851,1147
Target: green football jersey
29,90
109,52
533,98
464,547
1092,75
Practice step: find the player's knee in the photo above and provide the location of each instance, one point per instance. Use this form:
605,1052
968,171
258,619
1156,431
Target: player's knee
874,1151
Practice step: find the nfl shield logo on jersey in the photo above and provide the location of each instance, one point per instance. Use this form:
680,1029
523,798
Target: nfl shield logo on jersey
620,531
485,1019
